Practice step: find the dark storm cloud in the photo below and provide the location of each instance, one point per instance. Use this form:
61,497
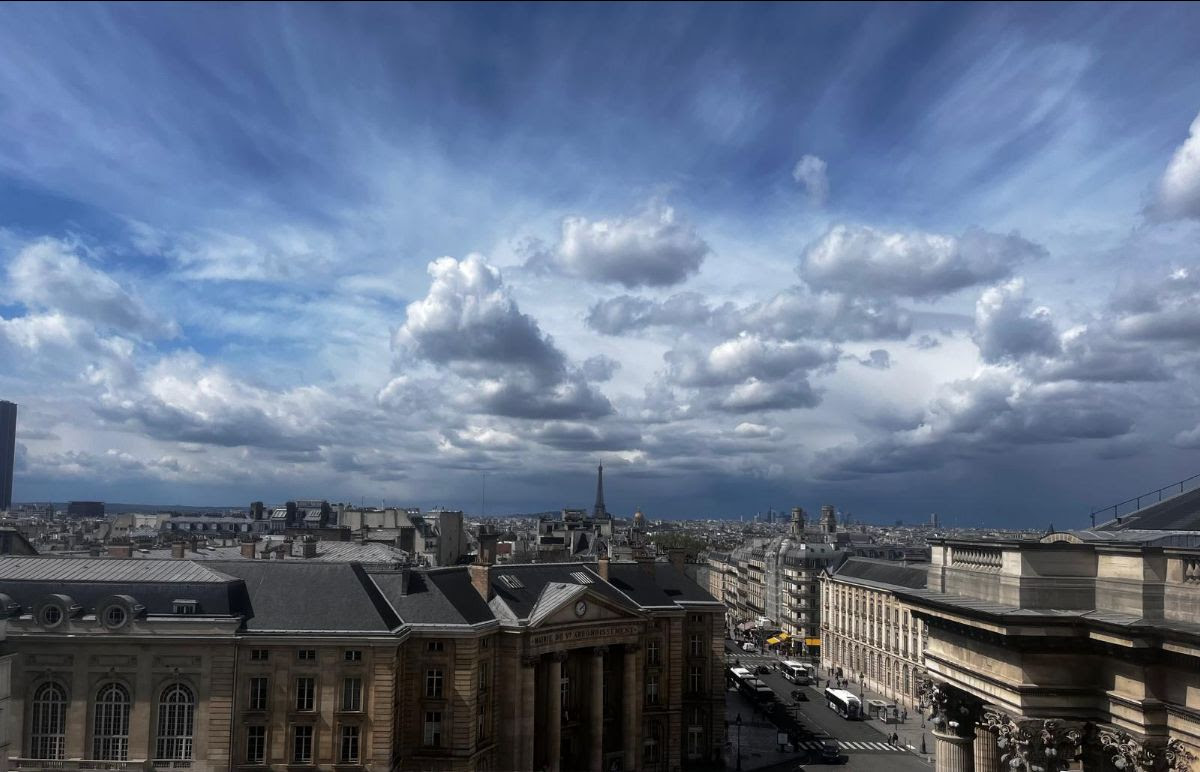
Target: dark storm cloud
573,436
1007,328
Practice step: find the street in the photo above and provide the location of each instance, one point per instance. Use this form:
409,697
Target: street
863,743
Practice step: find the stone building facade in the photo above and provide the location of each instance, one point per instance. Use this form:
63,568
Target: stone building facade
1078,650
256,665
869,631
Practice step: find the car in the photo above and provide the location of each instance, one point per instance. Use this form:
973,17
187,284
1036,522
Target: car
829,752
747,646
800,695
762,670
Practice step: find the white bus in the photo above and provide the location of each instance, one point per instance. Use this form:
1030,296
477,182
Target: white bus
844,703
795,672
739,675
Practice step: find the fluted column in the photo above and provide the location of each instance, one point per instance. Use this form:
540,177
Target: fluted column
596,717
987,752
527,733
953,714
953,752
554,711
631,709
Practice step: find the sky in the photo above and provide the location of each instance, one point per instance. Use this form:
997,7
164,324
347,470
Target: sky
901,259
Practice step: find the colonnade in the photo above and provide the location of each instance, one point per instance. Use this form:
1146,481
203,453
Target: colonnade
971,736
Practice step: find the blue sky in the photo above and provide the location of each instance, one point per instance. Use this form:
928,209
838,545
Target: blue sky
902,259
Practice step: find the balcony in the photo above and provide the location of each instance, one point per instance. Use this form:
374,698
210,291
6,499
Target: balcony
137,765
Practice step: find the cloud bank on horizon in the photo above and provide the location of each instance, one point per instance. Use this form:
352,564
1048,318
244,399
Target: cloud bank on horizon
747,258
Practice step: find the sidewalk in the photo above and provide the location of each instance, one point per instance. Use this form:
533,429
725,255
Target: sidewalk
911,731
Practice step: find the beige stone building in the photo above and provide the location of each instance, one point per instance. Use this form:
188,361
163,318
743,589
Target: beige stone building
869,630
1077,650
283,665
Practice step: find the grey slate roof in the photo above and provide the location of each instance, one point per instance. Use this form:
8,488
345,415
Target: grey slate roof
1178,513
881,573
443,596
52,569
300,595
535,576
28,580
666,587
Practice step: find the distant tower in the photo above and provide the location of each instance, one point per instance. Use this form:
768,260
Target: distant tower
828,520
8,451
933,520
598,511
639,520
797,521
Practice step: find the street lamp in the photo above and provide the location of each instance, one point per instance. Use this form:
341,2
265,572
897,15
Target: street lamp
738,721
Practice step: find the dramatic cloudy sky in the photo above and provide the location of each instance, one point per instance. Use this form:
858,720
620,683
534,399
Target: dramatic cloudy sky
902,259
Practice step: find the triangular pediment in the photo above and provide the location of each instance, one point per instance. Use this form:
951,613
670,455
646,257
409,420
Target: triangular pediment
562,603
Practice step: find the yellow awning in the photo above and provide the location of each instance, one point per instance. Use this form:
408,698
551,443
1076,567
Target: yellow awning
812,641
784,636
772,641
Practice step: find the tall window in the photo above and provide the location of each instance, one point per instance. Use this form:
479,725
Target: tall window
256,744
110,732
433,728
650,747
352,694
349,744
176,714
305,693
484,680
564,691
48,737
259,689
695,742
481,721
652,689
695,679
697,646
302,744
652,652
433,683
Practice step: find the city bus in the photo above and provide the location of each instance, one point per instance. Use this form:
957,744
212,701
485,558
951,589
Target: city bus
844,703
739,676
795,672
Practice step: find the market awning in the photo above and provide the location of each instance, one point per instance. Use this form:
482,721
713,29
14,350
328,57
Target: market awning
784,636
772,641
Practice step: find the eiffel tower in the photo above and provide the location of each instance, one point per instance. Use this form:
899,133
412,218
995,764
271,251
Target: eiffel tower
598,511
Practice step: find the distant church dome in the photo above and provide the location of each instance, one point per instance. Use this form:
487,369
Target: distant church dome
638,518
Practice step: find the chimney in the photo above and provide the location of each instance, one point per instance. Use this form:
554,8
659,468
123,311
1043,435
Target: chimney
195,544
309,546
248,550
120,550
177,549
677,556
602,566
481,570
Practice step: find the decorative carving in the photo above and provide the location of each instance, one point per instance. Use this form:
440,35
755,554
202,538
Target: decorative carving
1127,754
950,710
1034,745
1177,757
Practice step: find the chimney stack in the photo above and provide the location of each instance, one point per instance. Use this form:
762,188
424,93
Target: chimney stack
120,550
602,566
481,570
248,550
177,549
308,547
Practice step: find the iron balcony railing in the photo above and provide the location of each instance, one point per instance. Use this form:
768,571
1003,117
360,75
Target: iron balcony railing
1153,497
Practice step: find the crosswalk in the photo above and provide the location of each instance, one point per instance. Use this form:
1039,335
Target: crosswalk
854,745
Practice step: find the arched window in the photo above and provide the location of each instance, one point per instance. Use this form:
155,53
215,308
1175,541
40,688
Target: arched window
48,729
176,715
110,731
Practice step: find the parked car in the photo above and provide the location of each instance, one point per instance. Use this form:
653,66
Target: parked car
762,670
800,695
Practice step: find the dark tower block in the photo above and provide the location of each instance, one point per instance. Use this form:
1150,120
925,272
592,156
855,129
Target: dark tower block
8,451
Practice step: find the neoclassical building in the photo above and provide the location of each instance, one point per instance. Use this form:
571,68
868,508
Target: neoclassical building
1078,650
868,629
259,665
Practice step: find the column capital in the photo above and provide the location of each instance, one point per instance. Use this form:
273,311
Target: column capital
530,660
1130,754
952,711
1048,744
599,651
558,656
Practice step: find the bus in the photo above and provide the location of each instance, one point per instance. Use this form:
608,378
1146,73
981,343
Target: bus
795,672
757,690
739,676
844,704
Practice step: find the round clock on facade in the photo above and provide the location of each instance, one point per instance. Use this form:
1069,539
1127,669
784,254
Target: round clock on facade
581,608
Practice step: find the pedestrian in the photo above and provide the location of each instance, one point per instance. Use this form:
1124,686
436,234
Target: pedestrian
903,714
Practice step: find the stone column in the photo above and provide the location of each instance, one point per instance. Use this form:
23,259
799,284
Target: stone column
987,752
953,714
631,709
554,711
526,731
596,713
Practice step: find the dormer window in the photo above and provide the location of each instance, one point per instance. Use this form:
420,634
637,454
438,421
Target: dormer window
184,607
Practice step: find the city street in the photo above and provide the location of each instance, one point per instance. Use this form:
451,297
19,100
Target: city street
863,743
